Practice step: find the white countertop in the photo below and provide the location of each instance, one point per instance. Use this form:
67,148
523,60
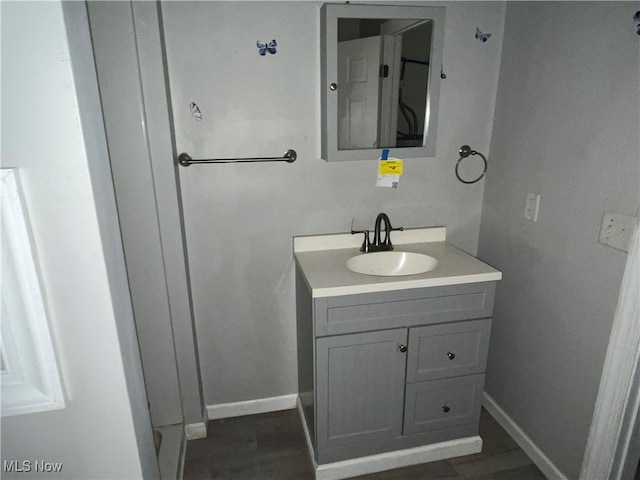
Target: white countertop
322,260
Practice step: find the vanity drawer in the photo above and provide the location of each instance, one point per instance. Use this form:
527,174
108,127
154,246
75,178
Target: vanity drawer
448,350
442,403
402,308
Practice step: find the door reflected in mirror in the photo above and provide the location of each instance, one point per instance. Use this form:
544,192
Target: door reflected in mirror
383,81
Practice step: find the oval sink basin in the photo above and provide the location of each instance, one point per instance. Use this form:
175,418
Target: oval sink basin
391,264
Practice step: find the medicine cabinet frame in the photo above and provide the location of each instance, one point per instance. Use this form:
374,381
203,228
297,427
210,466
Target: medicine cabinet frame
329,15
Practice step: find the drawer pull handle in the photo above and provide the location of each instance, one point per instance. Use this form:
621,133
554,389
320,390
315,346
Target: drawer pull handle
445,408
403,348
451,355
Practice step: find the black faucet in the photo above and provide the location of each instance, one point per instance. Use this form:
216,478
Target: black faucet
379,244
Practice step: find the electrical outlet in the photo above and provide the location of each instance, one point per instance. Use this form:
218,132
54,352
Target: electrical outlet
616,230
531,206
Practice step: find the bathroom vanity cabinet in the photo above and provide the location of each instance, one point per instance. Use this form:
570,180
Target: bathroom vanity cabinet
390,364
392,370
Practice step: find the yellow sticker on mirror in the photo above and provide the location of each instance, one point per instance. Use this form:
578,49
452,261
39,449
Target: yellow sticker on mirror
390,167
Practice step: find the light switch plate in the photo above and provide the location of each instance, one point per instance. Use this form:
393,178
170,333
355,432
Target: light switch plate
616,230
531,206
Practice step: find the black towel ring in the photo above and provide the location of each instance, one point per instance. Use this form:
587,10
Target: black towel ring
465,151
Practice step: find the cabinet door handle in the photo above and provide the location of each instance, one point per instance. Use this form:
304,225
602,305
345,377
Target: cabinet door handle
451,355
403,348
445,408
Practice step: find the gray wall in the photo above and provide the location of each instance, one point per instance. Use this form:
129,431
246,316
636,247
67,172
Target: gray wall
566,126
240,219
104,430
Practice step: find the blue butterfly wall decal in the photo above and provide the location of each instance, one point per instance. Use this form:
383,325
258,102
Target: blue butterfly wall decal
270,47
483,37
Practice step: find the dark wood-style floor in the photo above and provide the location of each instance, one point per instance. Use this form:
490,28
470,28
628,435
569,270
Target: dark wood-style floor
271,446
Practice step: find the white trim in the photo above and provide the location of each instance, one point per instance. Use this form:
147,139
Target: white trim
307,436
172,451
543,462
29,376
194,431
183,460
399,458
346,240
252,407
617,399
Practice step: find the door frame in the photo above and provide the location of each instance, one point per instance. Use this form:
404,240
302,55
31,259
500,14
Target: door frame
612,432
391,33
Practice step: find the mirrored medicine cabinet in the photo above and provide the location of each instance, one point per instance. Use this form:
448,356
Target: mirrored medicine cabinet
380,68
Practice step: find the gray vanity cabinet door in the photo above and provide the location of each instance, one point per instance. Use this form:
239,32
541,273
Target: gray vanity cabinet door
360,387
448,350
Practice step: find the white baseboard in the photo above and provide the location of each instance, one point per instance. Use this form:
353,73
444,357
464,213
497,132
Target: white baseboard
193,431
183,459
399,458
251,407
543,462
307,436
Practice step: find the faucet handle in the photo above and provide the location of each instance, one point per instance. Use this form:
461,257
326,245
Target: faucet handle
365,244
388,237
